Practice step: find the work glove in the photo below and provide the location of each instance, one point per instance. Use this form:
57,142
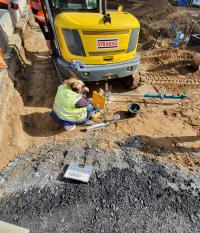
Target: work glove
14,6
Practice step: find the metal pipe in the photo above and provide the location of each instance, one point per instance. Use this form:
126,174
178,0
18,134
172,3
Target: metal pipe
104,7
156,96
124,94
100,6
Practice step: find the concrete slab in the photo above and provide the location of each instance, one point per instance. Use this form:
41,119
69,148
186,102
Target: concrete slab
6,23
3,76
9,228
23,20
17,14
3,40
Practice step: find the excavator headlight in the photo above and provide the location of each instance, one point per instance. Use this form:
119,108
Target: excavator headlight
74,42
133,40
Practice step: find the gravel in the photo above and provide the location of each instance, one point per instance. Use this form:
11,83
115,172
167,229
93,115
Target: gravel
127,192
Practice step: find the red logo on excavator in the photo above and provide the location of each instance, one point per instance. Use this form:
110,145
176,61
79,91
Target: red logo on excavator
107,43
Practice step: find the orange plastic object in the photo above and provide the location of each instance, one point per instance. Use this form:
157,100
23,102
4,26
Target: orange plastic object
2,62
98,100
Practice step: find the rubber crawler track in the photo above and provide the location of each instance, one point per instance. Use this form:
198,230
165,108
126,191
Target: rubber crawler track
170,79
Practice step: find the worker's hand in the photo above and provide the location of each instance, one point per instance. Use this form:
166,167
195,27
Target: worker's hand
91,100
14,6
85,89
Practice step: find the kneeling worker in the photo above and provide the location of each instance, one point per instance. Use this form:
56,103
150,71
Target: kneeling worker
70,108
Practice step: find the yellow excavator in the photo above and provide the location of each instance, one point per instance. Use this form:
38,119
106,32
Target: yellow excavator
91,41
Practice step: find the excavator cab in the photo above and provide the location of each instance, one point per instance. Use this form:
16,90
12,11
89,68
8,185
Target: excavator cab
91,41
76,6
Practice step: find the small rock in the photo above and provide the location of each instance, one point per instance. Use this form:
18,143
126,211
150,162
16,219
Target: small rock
165,112
37,174
62,220
2,179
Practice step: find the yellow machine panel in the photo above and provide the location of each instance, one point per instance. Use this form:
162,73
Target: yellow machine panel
103,43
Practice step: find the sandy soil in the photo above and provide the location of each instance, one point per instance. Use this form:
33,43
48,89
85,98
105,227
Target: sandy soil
159,15
33,95
170,129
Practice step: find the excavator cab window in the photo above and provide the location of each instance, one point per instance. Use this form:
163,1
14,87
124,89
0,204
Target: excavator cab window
77,5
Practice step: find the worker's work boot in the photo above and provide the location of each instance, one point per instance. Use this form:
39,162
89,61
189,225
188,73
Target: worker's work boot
89,122
70,127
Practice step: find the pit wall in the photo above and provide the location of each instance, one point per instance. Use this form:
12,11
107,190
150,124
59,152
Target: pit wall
12,27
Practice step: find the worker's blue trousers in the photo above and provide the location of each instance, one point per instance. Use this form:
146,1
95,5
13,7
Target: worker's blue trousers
90,110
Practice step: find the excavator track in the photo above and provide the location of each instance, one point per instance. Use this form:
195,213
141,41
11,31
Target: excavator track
170,79
57,69
61,73
169,67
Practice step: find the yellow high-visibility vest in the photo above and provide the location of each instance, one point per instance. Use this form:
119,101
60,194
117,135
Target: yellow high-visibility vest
64,105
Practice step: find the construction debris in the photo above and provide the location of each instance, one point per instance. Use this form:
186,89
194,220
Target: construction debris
117,117
127,193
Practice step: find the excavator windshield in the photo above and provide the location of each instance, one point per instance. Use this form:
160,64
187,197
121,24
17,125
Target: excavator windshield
77,5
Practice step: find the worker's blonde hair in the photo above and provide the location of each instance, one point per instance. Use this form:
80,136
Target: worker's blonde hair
75,84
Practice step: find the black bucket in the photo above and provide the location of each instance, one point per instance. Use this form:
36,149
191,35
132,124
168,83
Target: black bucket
133,109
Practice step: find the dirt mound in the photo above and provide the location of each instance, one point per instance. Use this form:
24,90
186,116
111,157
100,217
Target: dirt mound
144,196
155,15
154,9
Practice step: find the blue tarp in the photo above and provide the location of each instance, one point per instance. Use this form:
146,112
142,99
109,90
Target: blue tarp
182,2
